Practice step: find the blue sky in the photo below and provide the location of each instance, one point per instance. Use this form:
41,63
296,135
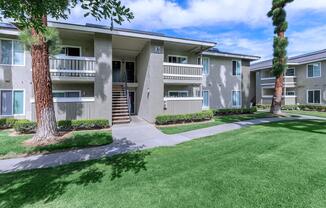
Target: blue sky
237,26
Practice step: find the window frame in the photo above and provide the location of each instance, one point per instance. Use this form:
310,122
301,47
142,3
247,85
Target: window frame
313,90
72,46
292,91
240,99
208,64
294,74
178,56
205,107
307,70
12,102
65,91
178,91
240,61
12,53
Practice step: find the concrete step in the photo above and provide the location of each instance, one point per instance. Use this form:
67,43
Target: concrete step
122,121
118,115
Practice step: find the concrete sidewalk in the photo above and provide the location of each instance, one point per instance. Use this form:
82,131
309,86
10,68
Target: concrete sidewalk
128,137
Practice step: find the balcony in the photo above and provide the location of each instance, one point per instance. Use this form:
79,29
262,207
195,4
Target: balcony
289,81
182,73
72,69
182,105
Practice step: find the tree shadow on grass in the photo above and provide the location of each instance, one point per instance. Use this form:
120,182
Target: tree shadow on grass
45,185
312,126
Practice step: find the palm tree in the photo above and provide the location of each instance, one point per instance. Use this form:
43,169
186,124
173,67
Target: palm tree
278,14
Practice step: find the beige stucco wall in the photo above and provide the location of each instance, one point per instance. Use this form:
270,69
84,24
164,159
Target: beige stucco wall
87,89
18,77
103,79
175,107
150,82
220,82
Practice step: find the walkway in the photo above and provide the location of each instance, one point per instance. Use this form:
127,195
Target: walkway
128,137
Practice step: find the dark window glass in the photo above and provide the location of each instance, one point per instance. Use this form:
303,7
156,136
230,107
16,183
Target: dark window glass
130,68
317,96
6,102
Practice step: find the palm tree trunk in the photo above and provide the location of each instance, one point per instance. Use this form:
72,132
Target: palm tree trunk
276,107
45,115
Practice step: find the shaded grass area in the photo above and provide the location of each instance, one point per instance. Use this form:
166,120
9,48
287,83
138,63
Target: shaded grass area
12,145
274,165
308,113
217,120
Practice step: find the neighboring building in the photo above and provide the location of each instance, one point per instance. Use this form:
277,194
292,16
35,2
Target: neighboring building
304,80
98,67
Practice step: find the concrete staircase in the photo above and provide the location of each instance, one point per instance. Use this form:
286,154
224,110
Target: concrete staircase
120,111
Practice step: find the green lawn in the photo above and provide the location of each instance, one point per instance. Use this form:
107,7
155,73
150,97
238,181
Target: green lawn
276,165
309,113
216,121
12,145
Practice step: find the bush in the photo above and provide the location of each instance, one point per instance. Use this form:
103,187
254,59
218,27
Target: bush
234,111
296,107
6,123
66,125
184,118
25,126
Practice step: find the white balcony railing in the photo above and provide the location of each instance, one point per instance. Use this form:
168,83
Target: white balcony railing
69,66
183,73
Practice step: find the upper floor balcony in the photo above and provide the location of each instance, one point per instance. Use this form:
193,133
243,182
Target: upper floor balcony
70,68
175,73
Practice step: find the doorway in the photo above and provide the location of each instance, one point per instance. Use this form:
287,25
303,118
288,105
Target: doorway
118,69
132,99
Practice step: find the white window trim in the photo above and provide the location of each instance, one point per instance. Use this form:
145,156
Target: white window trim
178,91
307,93
64,91
73,46
308,68
12,102
12,53
290,91
205,107
209,65
240,61
236,106
295,72
178,56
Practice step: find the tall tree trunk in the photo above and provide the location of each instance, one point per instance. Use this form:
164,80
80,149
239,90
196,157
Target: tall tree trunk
46,122
276,107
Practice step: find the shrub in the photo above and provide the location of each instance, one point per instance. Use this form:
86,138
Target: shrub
6,123
25,126
184,118
66,125
234,111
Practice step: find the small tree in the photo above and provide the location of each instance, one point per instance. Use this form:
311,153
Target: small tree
278,15
32,15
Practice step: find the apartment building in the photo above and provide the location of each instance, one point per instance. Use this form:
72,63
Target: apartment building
113,74
304,80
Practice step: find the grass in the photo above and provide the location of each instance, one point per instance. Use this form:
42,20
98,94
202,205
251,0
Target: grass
216,121
274,165
309,113
13,145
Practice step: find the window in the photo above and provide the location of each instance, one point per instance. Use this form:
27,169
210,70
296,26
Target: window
314,96
71,94
290,93
267,74
290,72
236,99
205,65
12,102
236,68
71,51
178,59
12,52
314,70
267,92
205,99
178,93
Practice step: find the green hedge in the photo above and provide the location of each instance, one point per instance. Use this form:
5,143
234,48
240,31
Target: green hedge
66,125
25,126
296,107
6,123
184,118
234,111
